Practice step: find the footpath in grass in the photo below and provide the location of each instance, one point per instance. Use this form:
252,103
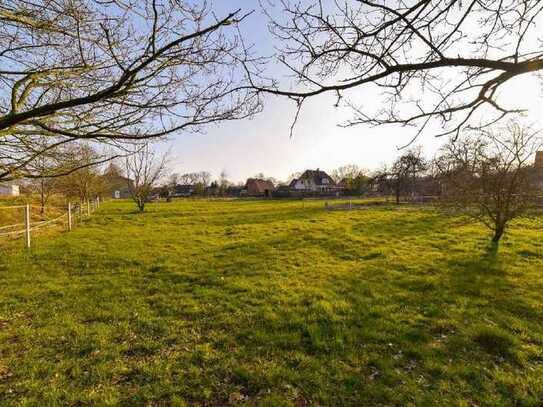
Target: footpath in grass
273,303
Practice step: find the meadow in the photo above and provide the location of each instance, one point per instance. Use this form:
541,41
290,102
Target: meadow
273,303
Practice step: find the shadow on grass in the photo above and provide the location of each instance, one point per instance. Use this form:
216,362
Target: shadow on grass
470,274
484,281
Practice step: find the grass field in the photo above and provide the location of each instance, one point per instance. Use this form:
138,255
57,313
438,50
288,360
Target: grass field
272,303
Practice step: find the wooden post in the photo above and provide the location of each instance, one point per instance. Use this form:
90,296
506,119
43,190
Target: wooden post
27,226
69,216
98,201
88,208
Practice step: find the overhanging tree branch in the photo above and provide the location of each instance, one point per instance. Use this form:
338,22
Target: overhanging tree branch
116,70
435,61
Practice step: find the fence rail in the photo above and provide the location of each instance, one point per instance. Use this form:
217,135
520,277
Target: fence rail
26,227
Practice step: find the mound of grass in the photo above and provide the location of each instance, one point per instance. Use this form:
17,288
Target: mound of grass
495,341
272,303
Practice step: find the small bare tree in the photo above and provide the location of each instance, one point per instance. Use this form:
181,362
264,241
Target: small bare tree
354,177
490,177
405,170
45,186
223,183
143,169
85,182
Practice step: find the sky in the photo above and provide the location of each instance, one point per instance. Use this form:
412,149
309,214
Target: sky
263,144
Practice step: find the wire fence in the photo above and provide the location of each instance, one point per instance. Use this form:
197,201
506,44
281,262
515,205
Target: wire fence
67,216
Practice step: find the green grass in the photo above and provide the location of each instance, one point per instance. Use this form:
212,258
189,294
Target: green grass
269,303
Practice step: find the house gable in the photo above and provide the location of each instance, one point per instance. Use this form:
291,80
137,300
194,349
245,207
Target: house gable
313,180
257,187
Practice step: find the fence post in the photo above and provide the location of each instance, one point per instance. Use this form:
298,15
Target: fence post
69,216
88,208
98,201
27,226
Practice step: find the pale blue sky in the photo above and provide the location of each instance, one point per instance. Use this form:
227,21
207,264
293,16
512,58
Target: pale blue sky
245,148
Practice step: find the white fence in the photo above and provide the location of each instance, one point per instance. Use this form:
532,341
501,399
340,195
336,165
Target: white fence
26,227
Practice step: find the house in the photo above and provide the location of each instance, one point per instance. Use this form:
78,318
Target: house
116,185
183,190
234,190
315,181
212,190
9,189
259,187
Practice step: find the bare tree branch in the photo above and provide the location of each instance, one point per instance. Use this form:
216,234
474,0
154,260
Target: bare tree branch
439,62
121,70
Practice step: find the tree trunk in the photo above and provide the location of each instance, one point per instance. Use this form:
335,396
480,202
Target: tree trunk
398,189
141,205
42,197
498,233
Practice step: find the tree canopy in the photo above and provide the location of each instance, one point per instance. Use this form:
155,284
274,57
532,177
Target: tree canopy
115,72
439,61
490,176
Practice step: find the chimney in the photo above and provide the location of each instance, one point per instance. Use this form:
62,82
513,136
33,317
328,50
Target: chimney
538,164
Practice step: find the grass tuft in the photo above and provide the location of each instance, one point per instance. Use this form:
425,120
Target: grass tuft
495,341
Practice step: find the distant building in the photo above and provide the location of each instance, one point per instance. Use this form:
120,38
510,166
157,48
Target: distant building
259,187
234,190
116,185
212,190
9,189
315,181
183,190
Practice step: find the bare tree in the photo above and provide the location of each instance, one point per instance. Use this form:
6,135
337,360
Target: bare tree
45,186
114,71
84,183
204,178
354,177
171,185
199,180
490,177
173,179
185,179
441,61
143,169
224,183
380,180
405,171
346,171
